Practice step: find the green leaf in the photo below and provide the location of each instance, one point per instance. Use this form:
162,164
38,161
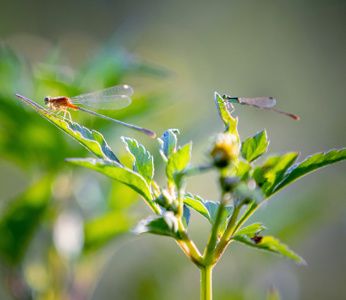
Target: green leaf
118,172
143,161
270,244
92,140
21,219
310,164
251,230
197,203
186,216
166,225
229,122
98,232
243,170
246,215
207,209
255,146
168,143
178,161
273,171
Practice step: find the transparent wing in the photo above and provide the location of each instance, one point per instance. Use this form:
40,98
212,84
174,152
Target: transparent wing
261,101
115,97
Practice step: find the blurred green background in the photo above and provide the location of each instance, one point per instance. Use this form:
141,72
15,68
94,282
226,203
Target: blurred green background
175,54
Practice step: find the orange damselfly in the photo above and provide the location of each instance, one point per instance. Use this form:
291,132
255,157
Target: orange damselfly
115,97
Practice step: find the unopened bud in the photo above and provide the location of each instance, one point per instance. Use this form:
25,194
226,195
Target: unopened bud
226,149
228,183
166,201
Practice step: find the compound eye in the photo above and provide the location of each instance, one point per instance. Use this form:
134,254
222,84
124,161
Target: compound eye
46,100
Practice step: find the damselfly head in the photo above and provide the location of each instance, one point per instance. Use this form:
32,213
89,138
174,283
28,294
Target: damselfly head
47,100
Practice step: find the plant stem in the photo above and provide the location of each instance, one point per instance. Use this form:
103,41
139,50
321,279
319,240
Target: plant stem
220,248
206,282
180,212
189,246
251,209
208,254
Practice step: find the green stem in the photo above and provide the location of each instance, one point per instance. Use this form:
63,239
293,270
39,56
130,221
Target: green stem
208,254
188,246
252,208
180,212
206,282
156,188
220,248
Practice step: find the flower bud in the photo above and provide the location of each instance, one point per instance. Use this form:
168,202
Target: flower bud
226,149
229,183
166,201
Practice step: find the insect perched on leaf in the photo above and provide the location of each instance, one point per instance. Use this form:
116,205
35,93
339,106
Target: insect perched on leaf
115,97
261,102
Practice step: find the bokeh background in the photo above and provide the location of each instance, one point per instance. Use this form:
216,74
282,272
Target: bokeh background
291,50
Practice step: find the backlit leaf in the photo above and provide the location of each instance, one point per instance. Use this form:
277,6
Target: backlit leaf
273,171
118,172
310,164
243,169
178,161
207,209
92,140
143,161
166,224
168,143
223,111
270,244
254,147
252,229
